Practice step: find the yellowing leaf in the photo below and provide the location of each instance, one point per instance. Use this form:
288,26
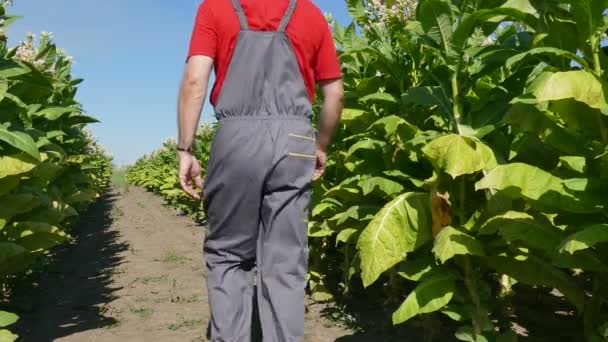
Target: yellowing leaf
457,155
400,227
518,180
7,318
7,336
579,85
16,165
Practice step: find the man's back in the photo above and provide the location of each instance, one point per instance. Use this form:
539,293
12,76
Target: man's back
217,28
264,156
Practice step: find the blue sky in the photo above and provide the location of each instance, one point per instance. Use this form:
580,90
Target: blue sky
131,55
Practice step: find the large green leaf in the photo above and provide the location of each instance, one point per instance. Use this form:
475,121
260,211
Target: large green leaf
534,271
404,177
16,165
547,51
7,184
13,258
349,114
20,140
356,214
428,96
437,22
579,85
368,145
381,185
54,214
36,236
457,155
518,226
7,318
7,336
12,205
11,69
400,227
379,97
544,125
468,23
518,180
589,16
356,9
586,238
54,113
431,295
348,236
392,125
451,242
79,119
83,195
418,268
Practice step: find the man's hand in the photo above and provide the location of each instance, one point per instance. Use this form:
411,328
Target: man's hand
190,174
321,163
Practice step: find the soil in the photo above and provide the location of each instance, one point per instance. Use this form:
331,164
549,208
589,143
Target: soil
135,273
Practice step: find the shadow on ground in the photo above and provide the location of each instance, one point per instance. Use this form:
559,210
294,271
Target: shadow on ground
555,322
71,295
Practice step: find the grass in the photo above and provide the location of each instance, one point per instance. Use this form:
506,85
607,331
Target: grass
185,323
119,179
148,280
142,312
171,257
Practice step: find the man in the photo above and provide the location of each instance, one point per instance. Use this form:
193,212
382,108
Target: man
268,55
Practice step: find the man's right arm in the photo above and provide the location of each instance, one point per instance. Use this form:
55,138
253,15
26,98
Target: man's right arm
333,93
328,75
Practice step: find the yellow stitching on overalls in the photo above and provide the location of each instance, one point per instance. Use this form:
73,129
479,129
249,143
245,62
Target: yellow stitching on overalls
301,155
301,136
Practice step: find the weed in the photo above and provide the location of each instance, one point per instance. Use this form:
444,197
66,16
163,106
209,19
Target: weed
171,257
185,323
142,312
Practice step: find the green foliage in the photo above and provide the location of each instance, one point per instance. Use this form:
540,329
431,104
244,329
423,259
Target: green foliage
158,172
473,148
476,138
50,166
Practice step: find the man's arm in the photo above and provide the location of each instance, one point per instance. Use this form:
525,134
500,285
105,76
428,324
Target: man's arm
193,91
333,94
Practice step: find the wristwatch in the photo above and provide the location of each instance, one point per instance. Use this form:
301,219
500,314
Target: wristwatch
181,149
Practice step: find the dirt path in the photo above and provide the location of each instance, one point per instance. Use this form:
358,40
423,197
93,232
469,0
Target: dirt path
135,274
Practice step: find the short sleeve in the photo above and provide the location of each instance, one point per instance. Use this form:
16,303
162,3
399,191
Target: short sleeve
327,65
204,35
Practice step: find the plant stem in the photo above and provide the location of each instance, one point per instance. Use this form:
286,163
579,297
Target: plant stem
472,289
456,104
597,67
346,267
462,200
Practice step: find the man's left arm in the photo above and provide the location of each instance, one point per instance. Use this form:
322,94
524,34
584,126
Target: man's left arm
193,91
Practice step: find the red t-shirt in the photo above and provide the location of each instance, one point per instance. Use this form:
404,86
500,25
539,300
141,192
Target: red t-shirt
217,27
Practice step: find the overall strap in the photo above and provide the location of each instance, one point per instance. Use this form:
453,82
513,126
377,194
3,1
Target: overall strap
288,14
239,11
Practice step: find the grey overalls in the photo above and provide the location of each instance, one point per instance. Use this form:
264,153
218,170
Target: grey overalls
257,190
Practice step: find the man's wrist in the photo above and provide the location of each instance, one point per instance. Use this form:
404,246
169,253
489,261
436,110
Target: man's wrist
184,149
322,144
